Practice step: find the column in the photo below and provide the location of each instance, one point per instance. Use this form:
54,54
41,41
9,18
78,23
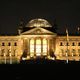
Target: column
47,47
41,46
0,55
35,47
29,47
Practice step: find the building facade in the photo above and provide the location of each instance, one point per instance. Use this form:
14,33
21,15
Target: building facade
38,39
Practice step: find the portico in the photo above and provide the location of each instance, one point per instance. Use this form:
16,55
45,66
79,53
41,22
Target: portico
38,41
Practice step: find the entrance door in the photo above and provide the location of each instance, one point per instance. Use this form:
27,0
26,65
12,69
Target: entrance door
35,47
38,47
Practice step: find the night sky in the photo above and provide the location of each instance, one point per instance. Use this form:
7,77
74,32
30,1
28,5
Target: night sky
66,13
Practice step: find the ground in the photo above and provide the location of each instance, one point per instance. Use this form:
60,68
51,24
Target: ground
38,69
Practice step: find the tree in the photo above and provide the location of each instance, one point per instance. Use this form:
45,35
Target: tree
52,54
24,55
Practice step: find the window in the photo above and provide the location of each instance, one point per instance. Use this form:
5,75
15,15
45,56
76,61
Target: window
62,52
8,51
79,44
73,44
67,44
15,44
79,52
61,44
67,52
9,44
73,52
3,44
14,52
2,52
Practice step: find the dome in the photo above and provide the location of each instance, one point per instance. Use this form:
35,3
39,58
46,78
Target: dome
38,23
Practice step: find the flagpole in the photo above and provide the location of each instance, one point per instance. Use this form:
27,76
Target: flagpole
67,46
67,53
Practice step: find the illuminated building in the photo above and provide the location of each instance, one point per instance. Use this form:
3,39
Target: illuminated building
38,39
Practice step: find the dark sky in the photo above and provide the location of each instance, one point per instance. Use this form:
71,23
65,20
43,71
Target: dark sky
66,12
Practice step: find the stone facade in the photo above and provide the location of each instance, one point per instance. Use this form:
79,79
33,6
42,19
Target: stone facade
38,42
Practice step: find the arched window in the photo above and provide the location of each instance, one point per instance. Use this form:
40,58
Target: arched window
9,44
67,44
3,44
73,44
79,44
15,44
61,44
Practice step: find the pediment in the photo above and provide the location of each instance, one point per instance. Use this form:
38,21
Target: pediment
38,31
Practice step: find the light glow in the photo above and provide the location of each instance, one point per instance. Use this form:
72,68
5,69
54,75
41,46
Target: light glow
38,47
44,46
32,46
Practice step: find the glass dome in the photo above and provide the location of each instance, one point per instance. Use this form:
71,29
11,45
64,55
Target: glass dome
38,23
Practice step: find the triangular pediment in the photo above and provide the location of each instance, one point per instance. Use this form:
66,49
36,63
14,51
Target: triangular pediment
38,31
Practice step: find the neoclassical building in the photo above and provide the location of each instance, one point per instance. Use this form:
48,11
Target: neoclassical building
38,39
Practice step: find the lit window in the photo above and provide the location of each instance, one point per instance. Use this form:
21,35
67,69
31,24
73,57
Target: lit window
44,46
38,47
32,46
